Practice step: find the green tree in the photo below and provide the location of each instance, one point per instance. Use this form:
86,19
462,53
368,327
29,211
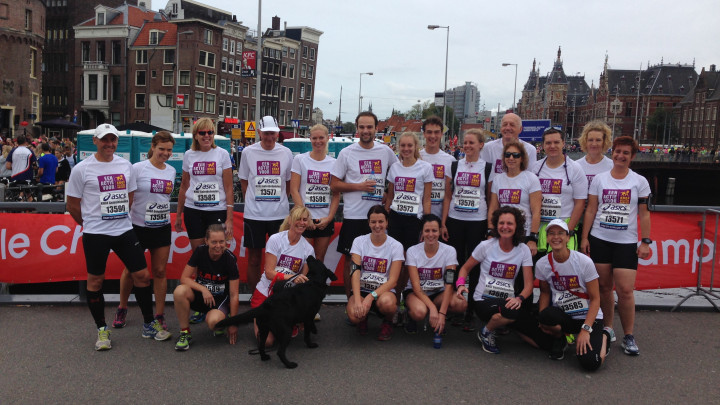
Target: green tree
348,128
660,127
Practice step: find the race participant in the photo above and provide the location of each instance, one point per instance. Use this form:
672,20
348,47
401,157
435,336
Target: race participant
310,187
206,195
209,284
440,161
563,188
518,188
264,178
47,165
430,289
595,140
497,300
150,216
99,197
359,173
21,161
465,208
376,262
510,129
569,302
285,257
615,200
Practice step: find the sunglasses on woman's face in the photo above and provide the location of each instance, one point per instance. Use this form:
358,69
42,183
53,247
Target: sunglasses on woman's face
515,155
203,133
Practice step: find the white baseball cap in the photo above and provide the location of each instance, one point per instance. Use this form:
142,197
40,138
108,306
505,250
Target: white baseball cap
104,129
558,222
268,124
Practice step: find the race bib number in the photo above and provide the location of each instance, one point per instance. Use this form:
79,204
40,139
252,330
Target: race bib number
207,194
570,303
437,194
374,272
551,200
467,192
377,192
114,200
267,188
615,209
500,280
431,279
215,289
317,189
372,169
157,214
406,203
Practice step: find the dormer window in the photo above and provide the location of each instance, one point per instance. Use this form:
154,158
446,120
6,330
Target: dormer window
154,37
100,18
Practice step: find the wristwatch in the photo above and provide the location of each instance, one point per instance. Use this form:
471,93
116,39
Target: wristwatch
587,328
533,237
646,240
374,295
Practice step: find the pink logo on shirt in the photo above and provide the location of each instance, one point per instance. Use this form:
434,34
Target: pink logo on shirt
268,168
405,184
503,270
289,262
316,177
551,186
430,274
374,264
204,168
372,166
509,196
112,182
161,186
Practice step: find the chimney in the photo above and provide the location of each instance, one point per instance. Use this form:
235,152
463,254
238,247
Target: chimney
712,68
276,23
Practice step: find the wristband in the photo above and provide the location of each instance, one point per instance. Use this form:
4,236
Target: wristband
374,295
230,206
442,313
520,297
460,281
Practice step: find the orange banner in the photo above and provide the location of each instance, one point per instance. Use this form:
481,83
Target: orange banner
37,248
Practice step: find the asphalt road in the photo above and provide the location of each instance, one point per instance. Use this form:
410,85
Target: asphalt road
47,356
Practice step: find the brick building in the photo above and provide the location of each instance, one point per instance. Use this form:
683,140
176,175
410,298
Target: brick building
698,113
22,33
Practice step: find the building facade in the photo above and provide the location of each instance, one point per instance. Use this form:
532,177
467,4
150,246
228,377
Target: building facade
465,102
698,113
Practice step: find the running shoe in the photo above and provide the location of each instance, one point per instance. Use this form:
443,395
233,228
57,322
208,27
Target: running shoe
197,317
386,331
558,349
570,338
611,333
362,327
295,331
155,330
317,317
411,326
468,325
120,316
629,346
183,342
487,338
218,333
161,318
103,340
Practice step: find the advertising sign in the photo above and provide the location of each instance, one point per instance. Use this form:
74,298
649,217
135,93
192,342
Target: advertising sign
533,129
249,64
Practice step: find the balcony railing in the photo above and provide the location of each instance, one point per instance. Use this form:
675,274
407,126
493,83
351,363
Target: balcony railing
95,65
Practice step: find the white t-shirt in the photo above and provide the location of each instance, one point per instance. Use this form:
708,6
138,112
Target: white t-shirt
560,188
441,168
515,192
591,170
468,200
314,183
376,260
267,173
573,274
409,186
151,201
206,191
498,269
104,189
616,218
356,164
290,258
431,269
493,150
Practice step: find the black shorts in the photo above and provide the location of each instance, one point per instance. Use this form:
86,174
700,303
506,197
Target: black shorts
126,246
256,232
619,255
351,229
431,296
404,228
373,307
488,307
198,221
320,233
199,305
153,238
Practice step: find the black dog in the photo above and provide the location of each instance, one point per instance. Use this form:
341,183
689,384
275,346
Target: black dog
289,305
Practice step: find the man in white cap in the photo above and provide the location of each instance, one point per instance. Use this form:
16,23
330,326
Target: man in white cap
264,173
99,196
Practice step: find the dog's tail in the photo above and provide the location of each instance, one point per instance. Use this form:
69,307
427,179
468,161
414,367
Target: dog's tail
245,317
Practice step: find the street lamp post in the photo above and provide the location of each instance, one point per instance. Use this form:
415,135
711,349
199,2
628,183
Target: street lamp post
360,92
447,48
515,88
178,124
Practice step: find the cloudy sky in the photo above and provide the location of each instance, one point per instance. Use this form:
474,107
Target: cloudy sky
390,38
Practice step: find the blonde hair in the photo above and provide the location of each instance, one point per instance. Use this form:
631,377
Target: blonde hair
478,134
160,137
322,128
203,124
599,126
6,150
296,213
415,139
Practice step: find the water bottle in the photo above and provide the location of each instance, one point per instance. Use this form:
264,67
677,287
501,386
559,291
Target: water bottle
437,341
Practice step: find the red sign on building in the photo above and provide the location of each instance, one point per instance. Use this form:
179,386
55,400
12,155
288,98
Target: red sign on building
249,64
180,100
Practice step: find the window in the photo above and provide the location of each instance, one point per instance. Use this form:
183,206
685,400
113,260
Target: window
292,72
28,20
223,64
308,95
115,92
282,93
231,66
200,79
311,71
246,89
290,116
211,79
221,108
208,37
292,56
140,100
232,47
235,109
210,103
199,101
184,78
281,117
225,46
206,59
141,56
154,37
305,53
140,78
237,88
33,62
307,112
253,91
276,88
101,51
100,19
4,11
228,109
169,57
237,67
312,53
222,86
153,74
116,52
92,87
168,100
263,84
303,71
265,52
291,93
85,51
300,111
245,112
283,72
168,77
284,54
252,111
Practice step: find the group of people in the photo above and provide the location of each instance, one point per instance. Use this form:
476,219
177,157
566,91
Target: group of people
442,236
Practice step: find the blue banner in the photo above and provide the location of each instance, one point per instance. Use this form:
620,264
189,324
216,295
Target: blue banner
533,129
